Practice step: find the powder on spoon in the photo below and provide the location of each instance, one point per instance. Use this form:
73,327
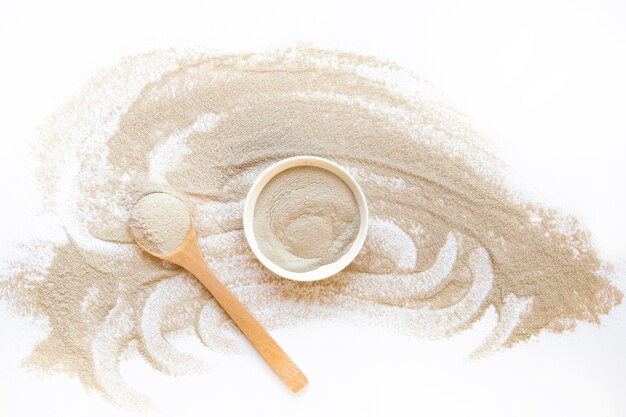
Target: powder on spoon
159,222
304,218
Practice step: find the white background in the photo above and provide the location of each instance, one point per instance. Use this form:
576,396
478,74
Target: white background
545,79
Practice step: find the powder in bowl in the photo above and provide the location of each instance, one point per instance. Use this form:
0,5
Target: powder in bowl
159,222
305,217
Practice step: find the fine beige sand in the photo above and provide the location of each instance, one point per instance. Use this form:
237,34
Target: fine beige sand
159,222
447,239
305,217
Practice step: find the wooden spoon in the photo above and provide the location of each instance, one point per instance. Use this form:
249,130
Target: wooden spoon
188,255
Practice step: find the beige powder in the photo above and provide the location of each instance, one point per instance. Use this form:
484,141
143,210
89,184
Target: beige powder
447,239
305,217
159,222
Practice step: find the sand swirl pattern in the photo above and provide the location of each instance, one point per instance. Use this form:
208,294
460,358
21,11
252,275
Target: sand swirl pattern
448,239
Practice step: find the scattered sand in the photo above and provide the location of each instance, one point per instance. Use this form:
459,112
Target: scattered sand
447,239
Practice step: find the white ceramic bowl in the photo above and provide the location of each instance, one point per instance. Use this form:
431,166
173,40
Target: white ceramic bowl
323,271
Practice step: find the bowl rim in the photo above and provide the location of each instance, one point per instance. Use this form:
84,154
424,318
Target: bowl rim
324,271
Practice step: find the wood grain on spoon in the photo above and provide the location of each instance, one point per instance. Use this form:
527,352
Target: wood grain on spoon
188,255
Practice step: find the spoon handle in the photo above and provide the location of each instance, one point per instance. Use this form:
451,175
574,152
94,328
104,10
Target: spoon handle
275,357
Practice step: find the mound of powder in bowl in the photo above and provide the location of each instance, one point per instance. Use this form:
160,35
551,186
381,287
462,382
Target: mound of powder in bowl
159,222
305,217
